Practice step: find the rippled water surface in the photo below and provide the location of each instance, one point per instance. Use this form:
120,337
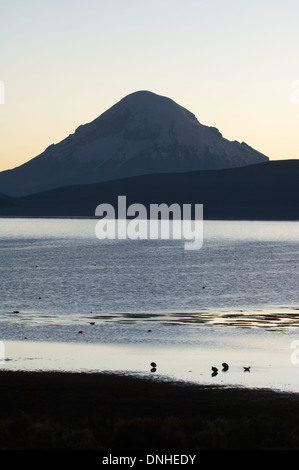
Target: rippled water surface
58,268
59,283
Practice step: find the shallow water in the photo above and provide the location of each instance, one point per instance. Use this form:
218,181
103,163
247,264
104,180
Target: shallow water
273,360
235,299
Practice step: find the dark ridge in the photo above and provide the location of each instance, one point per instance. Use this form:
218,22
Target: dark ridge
265,191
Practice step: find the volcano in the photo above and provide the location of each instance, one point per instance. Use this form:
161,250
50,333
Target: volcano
144,133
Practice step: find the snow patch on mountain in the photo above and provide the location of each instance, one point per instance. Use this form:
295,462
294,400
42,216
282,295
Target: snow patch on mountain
143,133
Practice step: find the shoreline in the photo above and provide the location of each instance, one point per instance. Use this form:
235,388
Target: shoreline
100,411
183,360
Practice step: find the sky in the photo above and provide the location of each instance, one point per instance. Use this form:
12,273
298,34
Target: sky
233,63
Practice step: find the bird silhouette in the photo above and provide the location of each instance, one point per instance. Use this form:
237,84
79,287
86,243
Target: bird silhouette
246,369
225,366
215,371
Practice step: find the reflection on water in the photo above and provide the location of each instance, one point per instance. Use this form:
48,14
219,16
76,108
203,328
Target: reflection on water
283,319
71,302
58,267
270,367
275,319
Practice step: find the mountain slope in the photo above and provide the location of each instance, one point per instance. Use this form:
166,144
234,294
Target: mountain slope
144,133
267,191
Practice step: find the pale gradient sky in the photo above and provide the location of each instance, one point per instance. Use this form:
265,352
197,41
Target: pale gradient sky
230,62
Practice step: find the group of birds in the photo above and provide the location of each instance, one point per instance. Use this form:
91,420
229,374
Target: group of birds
225,368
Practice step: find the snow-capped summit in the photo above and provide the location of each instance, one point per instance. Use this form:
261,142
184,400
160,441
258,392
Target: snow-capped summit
141,134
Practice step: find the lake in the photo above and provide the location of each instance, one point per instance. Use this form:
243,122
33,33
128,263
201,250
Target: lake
235,299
